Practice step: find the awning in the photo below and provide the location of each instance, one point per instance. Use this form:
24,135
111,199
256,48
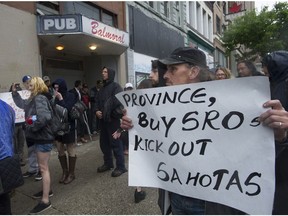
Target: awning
76,33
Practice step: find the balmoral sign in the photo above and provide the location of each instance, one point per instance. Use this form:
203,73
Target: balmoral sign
65,24
100,30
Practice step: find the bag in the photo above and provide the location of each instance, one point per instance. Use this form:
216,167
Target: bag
59,123
77,110
10,174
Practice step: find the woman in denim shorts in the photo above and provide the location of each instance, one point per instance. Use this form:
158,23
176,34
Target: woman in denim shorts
38,115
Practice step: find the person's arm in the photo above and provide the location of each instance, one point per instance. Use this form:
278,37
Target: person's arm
97,110
17,97
276,118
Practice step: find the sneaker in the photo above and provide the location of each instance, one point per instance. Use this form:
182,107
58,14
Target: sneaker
40,207
79,144
40,194
83,140
117,172
28,174
38,176
104,168
139,196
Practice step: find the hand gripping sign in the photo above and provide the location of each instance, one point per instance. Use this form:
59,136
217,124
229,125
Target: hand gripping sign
203,140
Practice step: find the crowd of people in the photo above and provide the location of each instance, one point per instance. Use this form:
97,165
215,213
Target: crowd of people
105,116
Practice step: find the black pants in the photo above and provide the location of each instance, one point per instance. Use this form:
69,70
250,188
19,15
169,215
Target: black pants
109,145
5,204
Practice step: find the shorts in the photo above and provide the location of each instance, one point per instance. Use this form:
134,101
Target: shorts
68,138
43,147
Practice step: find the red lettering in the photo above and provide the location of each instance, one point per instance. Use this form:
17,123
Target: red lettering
94,26
102,33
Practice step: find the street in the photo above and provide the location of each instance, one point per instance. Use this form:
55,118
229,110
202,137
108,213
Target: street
90,193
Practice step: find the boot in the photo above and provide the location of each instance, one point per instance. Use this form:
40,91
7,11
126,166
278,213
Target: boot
71,176
63,162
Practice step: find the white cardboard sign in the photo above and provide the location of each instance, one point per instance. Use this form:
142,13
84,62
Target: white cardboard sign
203,140
7,97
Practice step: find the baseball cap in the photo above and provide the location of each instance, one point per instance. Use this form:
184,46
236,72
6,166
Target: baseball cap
26,78
128,85
46,78
186,55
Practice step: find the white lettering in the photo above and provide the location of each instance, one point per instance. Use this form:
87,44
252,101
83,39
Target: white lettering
71,23
48,23
59,26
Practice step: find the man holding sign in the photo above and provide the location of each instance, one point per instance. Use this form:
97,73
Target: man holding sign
193,140
184,66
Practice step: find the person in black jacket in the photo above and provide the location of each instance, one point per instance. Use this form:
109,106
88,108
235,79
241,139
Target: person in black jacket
67,100
106,110
275,65
37,116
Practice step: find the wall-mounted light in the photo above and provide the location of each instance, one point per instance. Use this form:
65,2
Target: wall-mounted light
92,47
59,47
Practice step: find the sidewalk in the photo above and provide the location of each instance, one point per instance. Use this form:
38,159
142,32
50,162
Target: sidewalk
90,193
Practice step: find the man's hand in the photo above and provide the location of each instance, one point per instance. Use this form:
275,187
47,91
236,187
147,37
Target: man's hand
58,95
116,134
99,114
126,122
276,118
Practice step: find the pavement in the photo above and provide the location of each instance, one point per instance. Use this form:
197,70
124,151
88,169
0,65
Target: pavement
90,193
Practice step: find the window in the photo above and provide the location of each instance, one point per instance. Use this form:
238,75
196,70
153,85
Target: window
210,28
91,11
166,8
176,16
47,8
108,19
151,4
205,23
199,21
218,25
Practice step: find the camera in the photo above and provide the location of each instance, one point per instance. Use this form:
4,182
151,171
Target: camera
17,86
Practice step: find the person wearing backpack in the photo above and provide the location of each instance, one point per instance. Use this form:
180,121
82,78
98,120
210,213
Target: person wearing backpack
37,116
67,100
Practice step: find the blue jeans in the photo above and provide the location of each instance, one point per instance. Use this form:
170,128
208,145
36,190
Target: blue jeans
181,205
43,147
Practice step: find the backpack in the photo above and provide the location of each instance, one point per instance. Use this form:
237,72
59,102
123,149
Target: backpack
59,123
77,110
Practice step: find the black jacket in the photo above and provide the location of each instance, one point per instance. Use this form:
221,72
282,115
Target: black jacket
277,65
39,132
69,99
106,102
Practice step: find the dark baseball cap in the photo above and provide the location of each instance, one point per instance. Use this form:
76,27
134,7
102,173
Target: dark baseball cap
186,55
26,78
